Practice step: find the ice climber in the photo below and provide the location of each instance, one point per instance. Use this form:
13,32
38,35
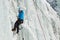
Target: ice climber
19,20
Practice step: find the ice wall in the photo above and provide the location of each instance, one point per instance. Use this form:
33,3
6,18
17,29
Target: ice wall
41,21
5,27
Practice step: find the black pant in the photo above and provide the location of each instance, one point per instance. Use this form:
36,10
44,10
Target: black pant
17,23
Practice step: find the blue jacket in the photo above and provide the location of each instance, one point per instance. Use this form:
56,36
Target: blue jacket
21,14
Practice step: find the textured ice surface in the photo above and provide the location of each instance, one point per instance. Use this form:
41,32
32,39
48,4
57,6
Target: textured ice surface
55,4
41,21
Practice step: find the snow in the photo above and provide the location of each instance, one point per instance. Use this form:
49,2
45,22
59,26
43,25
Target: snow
41,21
